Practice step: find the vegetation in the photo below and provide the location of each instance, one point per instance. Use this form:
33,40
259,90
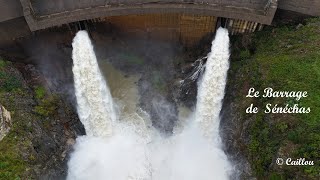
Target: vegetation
17,154
2,63
46,104
12,165
40,92
8,81
284,58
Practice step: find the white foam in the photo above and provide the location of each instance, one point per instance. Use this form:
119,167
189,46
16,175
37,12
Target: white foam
194,151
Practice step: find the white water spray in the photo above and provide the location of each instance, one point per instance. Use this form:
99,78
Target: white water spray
95,106
196,152
192,153
212,85
102,154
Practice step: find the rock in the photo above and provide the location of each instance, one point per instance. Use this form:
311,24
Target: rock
43,145
187,68
5,122
71,142
299,26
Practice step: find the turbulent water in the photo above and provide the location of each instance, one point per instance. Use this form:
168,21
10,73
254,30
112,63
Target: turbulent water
195,152
211,87
120,144
111,149
95,106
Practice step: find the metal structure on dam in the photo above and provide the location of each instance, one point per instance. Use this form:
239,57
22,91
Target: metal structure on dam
188,20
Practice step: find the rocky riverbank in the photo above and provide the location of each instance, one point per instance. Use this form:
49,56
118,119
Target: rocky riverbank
44,126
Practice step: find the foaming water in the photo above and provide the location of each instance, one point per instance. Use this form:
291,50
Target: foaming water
134,149
112,149
121,157
95,105
188,156
212,85
196,151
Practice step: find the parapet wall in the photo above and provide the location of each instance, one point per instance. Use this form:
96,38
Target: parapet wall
47,7
309,7
19,18
41,15
10,9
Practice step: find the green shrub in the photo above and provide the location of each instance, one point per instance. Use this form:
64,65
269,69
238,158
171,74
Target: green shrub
2,63
245,54
47,106
276,176
40,92
11,164
8,82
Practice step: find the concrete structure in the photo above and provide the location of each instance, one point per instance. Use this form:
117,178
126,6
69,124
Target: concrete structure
19,18
41,15
309,7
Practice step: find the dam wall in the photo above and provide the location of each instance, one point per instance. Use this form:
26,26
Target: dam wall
188,29
186,20
308,7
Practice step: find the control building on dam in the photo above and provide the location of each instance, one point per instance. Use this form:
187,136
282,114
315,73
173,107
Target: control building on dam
184,20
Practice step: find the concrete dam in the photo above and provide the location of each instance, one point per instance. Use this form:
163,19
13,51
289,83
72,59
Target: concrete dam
184,20
156,90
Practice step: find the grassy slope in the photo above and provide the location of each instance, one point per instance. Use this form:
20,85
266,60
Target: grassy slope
284,58
17,155
12,165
